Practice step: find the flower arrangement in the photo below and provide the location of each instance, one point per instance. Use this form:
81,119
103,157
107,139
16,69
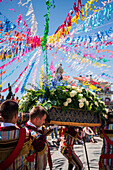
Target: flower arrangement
63,96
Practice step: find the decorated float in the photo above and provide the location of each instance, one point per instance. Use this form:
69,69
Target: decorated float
66,105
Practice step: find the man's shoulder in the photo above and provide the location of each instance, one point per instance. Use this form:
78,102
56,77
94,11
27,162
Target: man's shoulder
35,134
31,130
9,129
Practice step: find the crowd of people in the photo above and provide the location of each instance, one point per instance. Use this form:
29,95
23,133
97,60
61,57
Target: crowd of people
2,99
25,146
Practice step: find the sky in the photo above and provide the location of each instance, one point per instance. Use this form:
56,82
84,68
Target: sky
72,60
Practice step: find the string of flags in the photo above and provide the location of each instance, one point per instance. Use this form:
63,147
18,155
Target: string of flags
79,50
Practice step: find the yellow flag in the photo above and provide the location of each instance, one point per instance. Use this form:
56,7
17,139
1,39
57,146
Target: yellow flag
2,83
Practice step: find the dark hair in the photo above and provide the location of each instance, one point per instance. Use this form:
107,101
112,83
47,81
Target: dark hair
37,111
8,109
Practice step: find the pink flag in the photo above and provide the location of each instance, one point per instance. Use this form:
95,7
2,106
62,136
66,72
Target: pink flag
12,9
52,68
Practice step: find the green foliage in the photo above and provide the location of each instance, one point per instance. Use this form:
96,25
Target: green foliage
63,96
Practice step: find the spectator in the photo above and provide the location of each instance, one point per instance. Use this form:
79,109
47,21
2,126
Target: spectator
2,99
13,97
54,134
17,100
79,139
89,134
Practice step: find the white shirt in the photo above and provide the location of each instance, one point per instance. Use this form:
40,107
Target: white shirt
3,124
31,124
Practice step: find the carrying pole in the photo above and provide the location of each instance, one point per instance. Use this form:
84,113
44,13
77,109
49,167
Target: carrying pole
86,153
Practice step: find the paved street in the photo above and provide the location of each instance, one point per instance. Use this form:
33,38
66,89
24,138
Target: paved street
93,150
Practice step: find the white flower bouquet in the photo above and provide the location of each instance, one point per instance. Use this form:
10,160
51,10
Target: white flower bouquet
65,97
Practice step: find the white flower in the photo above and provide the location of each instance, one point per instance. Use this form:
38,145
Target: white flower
74,87
81,105
69,86
90,97
80,101
96,103
79,90
25,95
73,93
21,101
94,94
97,98
106,110
65,103
84,99
69,100
80,95
25,99
101,102
87,103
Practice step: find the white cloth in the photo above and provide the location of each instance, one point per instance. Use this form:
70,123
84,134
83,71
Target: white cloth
39,128
7,124
31,124
54,126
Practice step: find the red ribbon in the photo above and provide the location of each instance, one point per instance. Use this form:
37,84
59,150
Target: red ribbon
70,150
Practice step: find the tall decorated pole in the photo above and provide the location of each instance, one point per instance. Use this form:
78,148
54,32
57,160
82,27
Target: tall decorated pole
0,81
46,62
46,31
